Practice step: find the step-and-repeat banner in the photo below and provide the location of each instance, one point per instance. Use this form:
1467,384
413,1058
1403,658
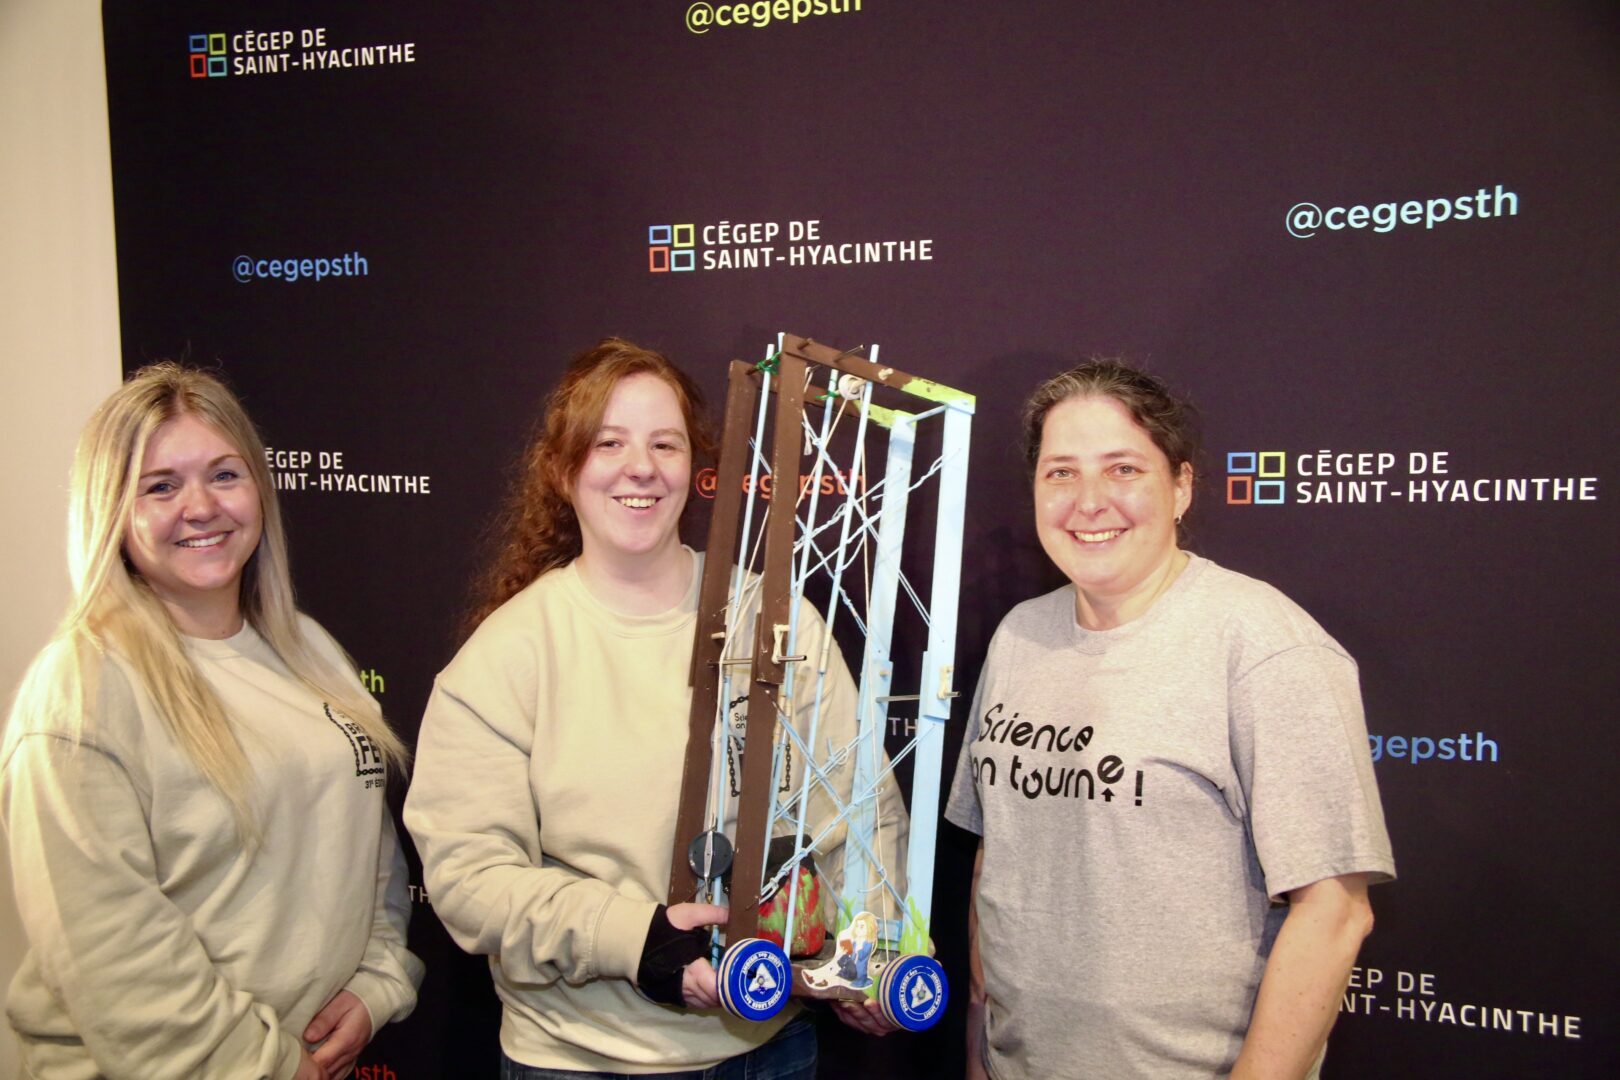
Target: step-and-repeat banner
1375,242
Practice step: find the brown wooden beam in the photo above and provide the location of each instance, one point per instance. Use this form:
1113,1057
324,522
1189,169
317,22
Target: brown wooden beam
742,397
757,803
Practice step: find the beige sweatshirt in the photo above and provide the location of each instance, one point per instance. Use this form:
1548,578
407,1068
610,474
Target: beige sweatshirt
158,946
543,801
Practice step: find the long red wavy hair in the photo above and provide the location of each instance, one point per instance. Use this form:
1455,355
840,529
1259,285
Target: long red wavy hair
536,529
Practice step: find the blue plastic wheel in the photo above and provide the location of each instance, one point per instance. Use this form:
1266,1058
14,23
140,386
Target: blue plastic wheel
913,992
755,979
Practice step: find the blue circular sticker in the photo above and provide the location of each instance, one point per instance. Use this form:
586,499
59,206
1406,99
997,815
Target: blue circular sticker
914,991
755,979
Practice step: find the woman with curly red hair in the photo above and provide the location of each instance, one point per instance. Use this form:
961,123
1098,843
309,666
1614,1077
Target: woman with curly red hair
549,764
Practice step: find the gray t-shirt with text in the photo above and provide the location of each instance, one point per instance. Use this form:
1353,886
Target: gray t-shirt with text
1144,794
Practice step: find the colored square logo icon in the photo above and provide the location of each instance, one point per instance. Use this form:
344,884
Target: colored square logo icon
1256,478
671,248
207,55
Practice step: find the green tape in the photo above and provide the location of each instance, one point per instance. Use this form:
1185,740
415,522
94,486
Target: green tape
887,418
914,937
933,391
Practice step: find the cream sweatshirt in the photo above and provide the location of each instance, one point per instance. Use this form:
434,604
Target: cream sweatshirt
158,945
543,801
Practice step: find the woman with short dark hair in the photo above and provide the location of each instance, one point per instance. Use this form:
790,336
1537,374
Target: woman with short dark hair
1167,765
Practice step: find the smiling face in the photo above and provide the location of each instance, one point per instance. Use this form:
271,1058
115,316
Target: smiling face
1106,503
629,493
196,522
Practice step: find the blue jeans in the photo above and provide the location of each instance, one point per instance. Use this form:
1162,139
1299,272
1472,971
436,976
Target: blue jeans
791,1055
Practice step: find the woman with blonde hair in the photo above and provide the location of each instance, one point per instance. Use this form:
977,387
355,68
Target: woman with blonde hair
549,765
193,778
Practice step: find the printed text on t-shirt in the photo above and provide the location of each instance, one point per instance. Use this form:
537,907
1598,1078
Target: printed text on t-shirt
1035,777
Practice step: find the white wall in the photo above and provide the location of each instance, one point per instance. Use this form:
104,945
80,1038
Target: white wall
58,324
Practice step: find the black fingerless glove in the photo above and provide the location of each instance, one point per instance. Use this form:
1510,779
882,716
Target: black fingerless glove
664,956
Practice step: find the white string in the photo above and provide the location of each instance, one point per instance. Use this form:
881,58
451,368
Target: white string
859,516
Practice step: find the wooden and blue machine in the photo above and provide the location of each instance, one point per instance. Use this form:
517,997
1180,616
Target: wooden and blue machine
793,540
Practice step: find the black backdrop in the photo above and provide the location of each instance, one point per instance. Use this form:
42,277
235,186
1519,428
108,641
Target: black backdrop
1379,229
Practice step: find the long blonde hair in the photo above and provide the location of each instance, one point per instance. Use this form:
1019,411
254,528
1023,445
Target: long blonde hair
114,610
